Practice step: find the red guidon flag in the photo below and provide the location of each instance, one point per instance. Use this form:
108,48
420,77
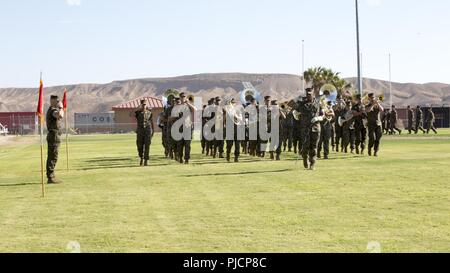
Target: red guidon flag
40,107
65,100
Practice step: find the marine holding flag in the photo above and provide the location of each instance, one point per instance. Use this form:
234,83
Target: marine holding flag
53,118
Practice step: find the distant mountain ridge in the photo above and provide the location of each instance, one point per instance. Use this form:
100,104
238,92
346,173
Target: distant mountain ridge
88,98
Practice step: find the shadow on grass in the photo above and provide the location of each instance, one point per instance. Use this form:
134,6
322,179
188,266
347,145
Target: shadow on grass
19,185
238,173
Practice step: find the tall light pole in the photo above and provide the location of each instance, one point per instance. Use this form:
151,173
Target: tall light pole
302,74
390,83
360,85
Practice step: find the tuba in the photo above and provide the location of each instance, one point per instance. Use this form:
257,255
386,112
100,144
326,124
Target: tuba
249,93
346,118
168,94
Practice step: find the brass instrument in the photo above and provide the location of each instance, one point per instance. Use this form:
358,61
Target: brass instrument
365,100
170,93
297,115
346,118
191,99
249,93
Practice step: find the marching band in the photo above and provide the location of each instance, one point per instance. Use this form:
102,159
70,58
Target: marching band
306,125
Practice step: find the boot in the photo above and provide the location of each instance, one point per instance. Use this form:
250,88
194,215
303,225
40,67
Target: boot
146,163
221,155
278,158
305,163
142,162
362,151
357,150
375,154
186,162
313,167
236,160
370,152
228,157
53,180
272,157
325,157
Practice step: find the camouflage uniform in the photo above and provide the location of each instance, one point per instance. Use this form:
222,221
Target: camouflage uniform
375,129
393,122
53,140
360,128
419,121
309,132
348,134
431,119
410,121
144,132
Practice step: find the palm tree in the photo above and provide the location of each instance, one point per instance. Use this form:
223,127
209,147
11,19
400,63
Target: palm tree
319,76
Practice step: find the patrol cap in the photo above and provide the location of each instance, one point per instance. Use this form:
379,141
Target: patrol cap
53,97
309,91
217,99
182,95
348,103
143,101
358,96
371,95
274,102
267,98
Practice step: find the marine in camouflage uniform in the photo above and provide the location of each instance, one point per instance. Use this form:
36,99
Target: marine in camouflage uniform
275,153
288,131
326,132
360,117
410,120
419,120
431,119
394,120
296,136
145,131
348,129
338,109
311,116
373,110
53,118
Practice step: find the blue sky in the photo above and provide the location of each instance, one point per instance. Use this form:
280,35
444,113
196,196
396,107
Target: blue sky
98,41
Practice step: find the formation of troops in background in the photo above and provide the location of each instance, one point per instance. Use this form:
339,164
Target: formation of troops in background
308,126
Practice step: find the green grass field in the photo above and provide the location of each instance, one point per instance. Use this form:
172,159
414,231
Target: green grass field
108,204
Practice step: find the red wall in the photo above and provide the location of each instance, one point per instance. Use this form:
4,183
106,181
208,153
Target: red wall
19,122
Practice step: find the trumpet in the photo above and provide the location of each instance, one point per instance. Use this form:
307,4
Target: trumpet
191,99
366,101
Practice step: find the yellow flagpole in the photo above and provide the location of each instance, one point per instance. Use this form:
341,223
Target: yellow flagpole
42,158
41,125
67,140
